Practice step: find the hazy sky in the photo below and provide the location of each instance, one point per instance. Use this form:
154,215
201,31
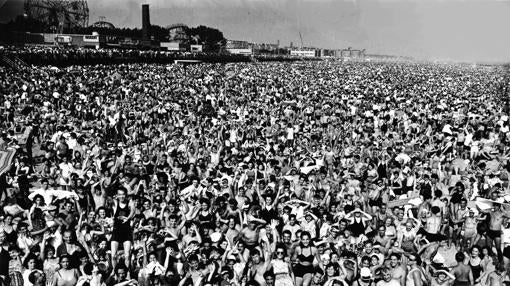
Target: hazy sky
473,30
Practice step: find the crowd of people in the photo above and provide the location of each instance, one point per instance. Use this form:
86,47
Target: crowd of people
271,174
67,56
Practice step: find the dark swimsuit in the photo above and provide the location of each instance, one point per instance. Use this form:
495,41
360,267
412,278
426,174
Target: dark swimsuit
300,270
122,231
477,270
357,228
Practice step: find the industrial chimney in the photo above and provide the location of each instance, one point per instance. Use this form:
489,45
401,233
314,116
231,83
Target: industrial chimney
146,22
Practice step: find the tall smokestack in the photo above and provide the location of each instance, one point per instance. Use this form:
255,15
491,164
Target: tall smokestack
146,22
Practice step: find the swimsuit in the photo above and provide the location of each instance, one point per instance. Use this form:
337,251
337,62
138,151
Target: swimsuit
301,270
122,231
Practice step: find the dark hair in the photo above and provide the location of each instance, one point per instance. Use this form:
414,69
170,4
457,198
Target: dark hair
47,249
193,257
489,250
335,267
479,250
254,252
459,257
32,278
282,247
121,266
14,248
88,267
64,256
38,196
269,274
30,257
303,233
233,202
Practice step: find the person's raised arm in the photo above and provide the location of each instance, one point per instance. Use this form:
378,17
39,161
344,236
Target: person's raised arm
80,222
85,164
132,210
314,217
326,199
167,259
418,281
43,246
54,281
257,190
417,223
276,236
197,233
277,198
267,253
350,216
77,204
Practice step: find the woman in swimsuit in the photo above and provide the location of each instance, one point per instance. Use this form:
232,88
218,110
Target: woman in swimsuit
415,275
282,269
205,217
123,210
469,231
66,276
474,261
304,256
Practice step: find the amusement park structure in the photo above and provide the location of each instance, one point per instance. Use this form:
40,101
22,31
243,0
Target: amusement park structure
58,14
102,23
350,52
178,32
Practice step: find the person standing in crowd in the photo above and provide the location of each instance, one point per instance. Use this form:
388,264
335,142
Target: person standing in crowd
122,232
462,272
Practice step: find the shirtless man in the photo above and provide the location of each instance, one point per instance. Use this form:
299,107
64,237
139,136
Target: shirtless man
494,232
398,272
387,278
496,277
173,228
259,267
287,241
462,272
250,234
433,224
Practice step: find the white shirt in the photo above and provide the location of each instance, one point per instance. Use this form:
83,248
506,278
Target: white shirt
67,169
505,235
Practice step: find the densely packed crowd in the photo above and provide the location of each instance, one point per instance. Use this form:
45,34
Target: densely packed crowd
66,56
305,174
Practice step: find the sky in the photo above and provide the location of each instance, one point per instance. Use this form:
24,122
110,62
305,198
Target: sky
461,30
